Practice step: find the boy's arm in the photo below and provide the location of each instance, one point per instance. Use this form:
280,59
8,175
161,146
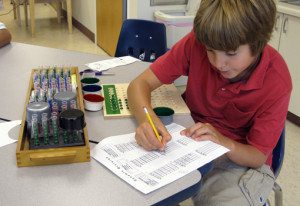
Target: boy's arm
139,96
5,37
261,142
241,154
246,155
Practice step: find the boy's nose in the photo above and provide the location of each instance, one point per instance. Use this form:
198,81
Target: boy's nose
219,61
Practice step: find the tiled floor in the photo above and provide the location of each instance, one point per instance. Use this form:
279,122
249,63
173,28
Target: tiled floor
51,34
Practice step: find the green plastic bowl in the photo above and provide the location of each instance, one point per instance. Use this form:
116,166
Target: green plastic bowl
165,114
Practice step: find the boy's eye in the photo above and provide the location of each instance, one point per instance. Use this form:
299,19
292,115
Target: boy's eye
228,53
231,53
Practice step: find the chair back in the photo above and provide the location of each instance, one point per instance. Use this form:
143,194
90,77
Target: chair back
142,39
278,154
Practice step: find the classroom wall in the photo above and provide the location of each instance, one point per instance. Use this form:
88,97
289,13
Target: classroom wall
84,11
131,9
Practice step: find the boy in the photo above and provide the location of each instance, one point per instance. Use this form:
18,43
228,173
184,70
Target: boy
238,91
5,36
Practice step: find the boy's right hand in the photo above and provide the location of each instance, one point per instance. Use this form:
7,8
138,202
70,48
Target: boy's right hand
145,136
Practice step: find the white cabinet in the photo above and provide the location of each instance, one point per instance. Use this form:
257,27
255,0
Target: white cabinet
289,48
286,39
275,39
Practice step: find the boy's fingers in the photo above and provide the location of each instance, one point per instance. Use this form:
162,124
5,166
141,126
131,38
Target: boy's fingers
192,130
143,138
151,138
146,137
203,138
200,132
165,138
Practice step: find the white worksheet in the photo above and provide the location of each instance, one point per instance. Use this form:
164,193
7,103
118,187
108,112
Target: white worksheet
111,63
4,132
149,170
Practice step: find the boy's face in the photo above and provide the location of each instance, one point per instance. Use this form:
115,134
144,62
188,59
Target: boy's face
231,64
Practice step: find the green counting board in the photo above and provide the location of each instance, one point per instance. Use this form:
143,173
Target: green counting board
116,103
113,104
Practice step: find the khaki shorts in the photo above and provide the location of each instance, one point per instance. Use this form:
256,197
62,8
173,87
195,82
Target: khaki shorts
229,184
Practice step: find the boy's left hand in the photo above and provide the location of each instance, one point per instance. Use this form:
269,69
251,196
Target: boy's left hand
203,131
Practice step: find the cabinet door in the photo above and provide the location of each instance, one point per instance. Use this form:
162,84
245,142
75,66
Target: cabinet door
275,39
109,22
290,49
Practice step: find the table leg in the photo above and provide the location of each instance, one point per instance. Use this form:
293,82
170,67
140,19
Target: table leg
69,14
32,17
58,7
26,12
18,12
15,9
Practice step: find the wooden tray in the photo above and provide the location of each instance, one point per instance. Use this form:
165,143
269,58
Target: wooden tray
62,155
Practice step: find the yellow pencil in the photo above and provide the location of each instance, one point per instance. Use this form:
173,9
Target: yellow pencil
151,123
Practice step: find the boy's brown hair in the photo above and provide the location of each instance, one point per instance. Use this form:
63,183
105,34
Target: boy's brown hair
227,24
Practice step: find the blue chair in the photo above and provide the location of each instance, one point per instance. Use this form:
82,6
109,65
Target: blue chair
188,192
278,154
142,39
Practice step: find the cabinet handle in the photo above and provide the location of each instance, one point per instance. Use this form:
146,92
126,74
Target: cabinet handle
277,22
284,30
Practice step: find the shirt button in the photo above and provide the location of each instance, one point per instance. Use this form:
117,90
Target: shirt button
223,89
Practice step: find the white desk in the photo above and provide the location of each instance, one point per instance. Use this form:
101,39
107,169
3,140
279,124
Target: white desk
69,184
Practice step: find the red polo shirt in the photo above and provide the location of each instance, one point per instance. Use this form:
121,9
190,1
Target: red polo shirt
251,112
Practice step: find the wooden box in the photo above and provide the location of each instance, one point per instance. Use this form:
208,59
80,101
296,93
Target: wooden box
48,156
